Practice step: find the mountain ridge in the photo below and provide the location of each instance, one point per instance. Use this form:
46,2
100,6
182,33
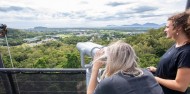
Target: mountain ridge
139,25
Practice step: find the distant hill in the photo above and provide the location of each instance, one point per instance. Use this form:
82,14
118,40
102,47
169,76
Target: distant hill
133,25
40,27
111,25
140,25
150,24
130,28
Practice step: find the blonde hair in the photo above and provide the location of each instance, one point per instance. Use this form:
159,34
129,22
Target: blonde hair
121,57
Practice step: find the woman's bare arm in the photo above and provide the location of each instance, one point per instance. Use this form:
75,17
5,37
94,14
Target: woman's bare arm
97,64
181,82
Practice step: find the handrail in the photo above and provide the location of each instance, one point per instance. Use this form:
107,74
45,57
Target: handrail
43,70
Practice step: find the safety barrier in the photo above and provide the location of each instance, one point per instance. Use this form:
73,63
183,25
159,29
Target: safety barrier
42,81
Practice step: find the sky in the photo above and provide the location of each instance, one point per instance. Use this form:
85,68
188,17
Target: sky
23,14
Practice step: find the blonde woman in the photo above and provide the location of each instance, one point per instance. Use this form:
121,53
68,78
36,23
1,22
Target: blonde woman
122,74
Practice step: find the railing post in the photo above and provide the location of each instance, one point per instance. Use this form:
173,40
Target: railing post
5,79
12,84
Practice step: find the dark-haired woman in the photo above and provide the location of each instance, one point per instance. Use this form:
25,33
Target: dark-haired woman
173,70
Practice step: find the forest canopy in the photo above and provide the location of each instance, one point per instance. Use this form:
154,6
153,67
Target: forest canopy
62,53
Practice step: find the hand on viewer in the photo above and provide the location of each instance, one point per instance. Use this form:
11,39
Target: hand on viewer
97,63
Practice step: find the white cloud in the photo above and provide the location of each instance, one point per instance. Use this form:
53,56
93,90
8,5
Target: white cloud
81,13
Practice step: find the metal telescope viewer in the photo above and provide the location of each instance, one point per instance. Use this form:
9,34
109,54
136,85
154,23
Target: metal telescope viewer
87,48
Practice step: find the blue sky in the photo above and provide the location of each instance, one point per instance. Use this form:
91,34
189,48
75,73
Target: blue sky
86,13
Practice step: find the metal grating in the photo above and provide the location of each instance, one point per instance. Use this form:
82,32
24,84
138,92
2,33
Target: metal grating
43,81
2,88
